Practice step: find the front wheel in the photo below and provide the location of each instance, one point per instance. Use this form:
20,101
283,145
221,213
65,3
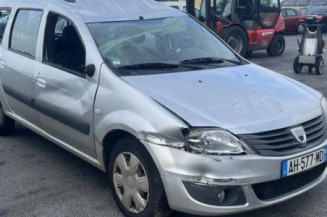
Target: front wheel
135,181
300,28
320,66
277,45
6,123
236,38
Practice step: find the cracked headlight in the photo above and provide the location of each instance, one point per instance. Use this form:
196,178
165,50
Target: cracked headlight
163,140
324,106
214,142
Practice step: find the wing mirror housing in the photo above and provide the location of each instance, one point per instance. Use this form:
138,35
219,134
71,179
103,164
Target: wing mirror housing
89,70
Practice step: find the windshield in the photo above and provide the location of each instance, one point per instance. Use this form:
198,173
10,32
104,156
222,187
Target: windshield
317,10
156,43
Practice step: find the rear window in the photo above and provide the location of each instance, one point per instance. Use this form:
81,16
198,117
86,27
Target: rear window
4,17
317,10
25,31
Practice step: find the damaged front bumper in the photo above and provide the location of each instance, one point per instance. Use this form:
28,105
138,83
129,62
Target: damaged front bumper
202,185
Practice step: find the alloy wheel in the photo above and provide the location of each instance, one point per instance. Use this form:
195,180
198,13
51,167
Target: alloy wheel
301,28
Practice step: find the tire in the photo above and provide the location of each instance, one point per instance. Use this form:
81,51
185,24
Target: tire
297,67
154,202
277,46
236,38
6,124
319,66
300,29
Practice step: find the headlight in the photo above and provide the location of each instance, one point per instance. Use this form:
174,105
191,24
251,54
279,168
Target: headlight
324,106
214,142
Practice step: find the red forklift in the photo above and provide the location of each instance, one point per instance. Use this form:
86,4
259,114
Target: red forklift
246,25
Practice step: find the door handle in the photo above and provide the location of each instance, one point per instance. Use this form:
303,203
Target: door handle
41,82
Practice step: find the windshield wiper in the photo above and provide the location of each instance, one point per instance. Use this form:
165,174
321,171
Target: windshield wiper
210,60
150,66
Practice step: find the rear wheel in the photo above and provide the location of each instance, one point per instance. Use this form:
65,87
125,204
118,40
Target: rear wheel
277,45
135,181
320,66
300,28
6,123
236,38
297,67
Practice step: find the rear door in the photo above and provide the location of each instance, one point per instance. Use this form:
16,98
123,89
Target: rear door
18,64
292,19
64,93
287,20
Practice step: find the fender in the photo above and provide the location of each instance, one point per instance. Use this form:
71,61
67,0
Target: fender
125,119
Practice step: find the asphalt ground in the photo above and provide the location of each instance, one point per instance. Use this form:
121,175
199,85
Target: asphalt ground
37,178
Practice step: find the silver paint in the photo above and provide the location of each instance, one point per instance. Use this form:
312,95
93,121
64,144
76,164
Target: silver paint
242,99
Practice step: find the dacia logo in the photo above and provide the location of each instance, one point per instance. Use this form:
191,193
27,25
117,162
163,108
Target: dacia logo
300,135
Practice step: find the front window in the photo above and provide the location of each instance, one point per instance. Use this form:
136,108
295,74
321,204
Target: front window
291,13
223,8
63,47
268,13
176,43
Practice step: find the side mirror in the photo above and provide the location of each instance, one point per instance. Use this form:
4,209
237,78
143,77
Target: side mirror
89,70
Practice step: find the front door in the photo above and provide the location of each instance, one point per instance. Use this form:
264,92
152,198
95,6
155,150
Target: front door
65,94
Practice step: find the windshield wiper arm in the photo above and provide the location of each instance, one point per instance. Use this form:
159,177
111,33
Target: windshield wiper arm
210,60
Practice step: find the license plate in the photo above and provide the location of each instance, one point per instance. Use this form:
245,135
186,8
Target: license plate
309,18
305,162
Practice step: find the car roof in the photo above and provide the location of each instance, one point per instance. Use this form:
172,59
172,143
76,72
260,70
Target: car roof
104,10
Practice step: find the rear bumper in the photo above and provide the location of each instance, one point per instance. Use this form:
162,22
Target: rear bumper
177,166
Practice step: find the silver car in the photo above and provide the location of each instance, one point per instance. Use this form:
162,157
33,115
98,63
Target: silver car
149,95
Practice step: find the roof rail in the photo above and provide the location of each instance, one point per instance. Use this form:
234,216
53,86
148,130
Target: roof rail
71,1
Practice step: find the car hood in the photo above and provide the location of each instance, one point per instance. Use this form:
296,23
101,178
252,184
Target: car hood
242,99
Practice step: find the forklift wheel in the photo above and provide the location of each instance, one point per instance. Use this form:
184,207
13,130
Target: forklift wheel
236,38
277,45
297,67
320,66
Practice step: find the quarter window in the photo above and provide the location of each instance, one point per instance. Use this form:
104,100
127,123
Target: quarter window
25,32
4,17
63,47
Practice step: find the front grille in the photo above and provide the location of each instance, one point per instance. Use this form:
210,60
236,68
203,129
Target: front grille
282,142
274,189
